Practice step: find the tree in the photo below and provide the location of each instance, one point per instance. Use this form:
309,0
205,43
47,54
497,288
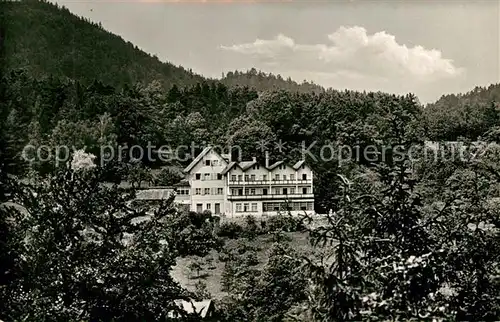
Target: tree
84,257
137,174
168,177
281,280
196,266
201,291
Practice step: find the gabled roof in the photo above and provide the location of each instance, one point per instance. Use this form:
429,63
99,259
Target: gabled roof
297,165
245,165
276,164
182,183
229,167
154,194
197,159
200,308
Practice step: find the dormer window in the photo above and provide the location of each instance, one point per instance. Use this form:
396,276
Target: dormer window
208,162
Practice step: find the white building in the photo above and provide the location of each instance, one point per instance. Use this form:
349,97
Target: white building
246,188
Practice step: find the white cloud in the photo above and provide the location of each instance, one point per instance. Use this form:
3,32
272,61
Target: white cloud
352,51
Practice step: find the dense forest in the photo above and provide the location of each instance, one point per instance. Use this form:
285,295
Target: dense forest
404,237
75,48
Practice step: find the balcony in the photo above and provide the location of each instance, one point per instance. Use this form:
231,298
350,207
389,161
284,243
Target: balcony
269,182
271,197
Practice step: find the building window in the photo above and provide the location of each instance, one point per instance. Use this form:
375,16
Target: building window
254,207
277,191
240,177
304,176
264,177
199,207
304,191
246,207
284,177
285,191
252,191
272,206
207,162
246,177
252,177
233,178
247,191
208,206
215,162
198,176
219,176
303,167
207,191
292,177
207,176
292,191
238,207
217,208
198,191
277,176
220,191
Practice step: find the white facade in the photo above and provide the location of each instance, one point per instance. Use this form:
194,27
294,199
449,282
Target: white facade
246,188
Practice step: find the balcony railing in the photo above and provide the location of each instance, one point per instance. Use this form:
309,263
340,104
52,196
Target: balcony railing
271,197
268,182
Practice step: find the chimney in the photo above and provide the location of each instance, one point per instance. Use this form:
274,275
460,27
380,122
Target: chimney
267,159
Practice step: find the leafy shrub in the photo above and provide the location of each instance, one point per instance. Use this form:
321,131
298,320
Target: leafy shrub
235,250
284,223
167,177
201,291
251,230
230,230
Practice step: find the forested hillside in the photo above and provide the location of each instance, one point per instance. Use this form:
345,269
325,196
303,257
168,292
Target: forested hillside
65,45
467,115
265,82
401,236
46,39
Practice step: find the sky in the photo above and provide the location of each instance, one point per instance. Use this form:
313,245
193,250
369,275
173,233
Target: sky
425,47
